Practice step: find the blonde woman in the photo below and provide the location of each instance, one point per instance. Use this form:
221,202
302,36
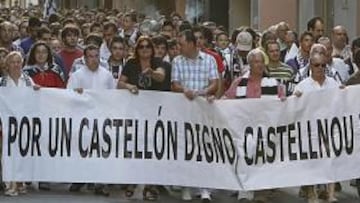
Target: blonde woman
14,77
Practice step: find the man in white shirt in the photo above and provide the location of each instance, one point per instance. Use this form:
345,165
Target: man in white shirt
109,33
91,76
335,64
317,81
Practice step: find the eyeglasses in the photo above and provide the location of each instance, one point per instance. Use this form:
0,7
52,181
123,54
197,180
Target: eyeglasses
147,46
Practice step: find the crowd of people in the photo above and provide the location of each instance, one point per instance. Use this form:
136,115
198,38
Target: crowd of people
107,49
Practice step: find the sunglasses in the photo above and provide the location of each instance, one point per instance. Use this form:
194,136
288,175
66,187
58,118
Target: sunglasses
144,46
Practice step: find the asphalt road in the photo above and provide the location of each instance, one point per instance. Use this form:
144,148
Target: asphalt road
59,194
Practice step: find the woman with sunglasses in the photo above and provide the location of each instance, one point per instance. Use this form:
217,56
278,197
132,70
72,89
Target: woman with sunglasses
142,71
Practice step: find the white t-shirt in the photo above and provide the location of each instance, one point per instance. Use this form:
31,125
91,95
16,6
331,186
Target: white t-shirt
24,81
104,52
342,68
87,79
310,85
292,52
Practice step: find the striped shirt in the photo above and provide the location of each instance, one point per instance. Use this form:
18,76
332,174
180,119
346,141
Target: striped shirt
281,72
194,74
284,74
268,87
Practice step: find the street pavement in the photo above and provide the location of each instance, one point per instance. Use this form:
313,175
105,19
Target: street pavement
59,194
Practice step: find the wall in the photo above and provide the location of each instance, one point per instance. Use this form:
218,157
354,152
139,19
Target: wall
345,13
273,12
239,13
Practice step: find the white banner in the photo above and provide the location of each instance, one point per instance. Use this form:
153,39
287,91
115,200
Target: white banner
162,138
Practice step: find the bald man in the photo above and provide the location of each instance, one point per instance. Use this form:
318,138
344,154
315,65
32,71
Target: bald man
340,40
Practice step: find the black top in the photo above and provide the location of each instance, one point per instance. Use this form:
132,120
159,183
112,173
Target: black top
167,81
132,70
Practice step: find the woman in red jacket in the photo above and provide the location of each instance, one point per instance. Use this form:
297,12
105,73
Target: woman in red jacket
42,69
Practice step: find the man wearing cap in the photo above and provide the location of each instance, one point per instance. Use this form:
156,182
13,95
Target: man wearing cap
243,45
32,29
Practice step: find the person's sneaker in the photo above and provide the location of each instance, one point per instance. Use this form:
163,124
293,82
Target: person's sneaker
11,193
22,190
312,200
332,200
2,187
75,187
186,194
338,187
244,200
101,192
90,186
205,196
44,186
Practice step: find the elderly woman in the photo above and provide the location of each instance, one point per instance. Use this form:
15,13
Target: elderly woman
145,72
254,84
15,78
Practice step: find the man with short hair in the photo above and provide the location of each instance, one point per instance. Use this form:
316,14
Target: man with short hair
91,76
6,40
340,40
317,81
355,78
203,44
168,29
109,32
194,74
336,67
70,51
316,27
301,60
277,69
117,58
129,31
95,39
32,29
173,49
23,26
161,49
355,47
281,31
291,46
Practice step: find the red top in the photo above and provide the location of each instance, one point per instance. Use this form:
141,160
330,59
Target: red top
218,59
69,57
48,79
